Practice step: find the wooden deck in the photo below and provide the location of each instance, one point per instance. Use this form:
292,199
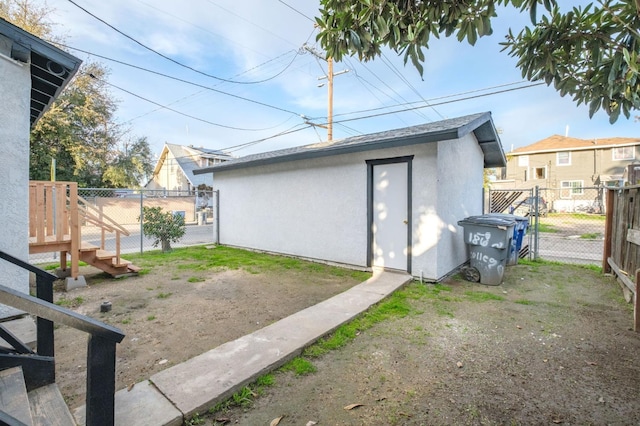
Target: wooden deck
55,213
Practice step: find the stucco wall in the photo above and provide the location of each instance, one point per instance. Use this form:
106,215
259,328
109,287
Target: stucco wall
313,209
318,208
460,179
15,86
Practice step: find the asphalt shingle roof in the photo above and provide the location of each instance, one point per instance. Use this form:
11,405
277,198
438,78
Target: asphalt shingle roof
480,124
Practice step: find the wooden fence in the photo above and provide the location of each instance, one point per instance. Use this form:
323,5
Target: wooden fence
622,242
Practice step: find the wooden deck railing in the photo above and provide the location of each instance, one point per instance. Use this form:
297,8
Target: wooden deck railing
55,213
101,347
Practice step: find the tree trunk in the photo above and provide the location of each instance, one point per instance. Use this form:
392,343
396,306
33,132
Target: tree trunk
166,246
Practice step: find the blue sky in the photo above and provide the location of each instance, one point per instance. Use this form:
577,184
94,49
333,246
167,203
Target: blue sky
256,40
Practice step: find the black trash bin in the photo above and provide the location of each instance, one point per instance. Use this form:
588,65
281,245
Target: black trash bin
489,240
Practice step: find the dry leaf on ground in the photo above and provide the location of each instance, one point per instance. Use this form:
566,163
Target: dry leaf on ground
352,406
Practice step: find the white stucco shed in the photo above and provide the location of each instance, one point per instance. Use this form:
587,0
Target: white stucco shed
389,199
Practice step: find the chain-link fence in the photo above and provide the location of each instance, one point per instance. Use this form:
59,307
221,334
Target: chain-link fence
566,224
125,207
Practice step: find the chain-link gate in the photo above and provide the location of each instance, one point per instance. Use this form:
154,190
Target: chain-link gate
125,206
518,202
566,224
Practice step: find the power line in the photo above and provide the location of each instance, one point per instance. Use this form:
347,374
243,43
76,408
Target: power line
176,111
438,98
395,70
297,11
186,81
160,54
440,103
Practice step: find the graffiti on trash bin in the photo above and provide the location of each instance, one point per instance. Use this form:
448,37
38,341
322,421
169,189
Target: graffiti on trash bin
490,261
482,239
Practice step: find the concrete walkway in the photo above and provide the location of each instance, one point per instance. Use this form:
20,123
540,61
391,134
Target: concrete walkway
194,386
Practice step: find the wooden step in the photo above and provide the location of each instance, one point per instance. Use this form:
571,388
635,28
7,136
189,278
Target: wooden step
104,255
24,328
48,407
85,246
13,395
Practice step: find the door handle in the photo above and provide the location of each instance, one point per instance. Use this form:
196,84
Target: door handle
406,222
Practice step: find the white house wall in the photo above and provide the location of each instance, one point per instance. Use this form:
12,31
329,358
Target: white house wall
460,180
315,209
15,87
318,208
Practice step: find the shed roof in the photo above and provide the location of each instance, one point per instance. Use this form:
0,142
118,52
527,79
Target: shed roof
481,125
51,68
557,143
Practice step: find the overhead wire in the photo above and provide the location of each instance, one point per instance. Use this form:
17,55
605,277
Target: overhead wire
183,80
397,72
174,110
168,58
297,11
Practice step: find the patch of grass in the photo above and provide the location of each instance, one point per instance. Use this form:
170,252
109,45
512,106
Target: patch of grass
525,302
200,258
163,295
266,381
590,236
70,303
546,227
299,366
584,216
194,420
482,296
151,317
195,279
396,306
245,396
126,321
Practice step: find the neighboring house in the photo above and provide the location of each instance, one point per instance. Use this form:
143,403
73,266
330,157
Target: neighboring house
174,169
32,74
564,166
564,163
389,199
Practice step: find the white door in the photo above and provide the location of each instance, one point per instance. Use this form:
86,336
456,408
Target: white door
390,215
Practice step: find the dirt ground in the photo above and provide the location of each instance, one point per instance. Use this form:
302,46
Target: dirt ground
552,345
556,349
167,319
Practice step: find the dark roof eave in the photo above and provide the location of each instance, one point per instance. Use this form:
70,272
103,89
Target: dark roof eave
340,150
481,126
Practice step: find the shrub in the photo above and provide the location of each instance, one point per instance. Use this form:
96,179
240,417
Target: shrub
165,227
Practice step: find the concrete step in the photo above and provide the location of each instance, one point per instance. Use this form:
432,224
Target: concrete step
13,395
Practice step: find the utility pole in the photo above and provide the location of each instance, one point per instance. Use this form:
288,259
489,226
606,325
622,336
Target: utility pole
329,78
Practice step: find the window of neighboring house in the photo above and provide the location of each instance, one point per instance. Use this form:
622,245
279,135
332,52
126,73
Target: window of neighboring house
624,153
523,161
569,188
540,173
563,158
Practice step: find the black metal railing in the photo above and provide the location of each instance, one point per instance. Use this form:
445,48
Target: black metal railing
39,367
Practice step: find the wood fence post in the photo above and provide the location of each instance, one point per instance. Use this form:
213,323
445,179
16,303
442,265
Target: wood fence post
608,230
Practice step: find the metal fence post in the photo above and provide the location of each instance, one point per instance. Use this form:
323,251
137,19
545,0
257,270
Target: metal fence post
141,222
217,231
536,223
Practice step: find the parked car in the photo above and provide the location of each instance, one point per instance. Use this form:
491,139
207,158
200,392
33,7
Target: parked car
527,207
